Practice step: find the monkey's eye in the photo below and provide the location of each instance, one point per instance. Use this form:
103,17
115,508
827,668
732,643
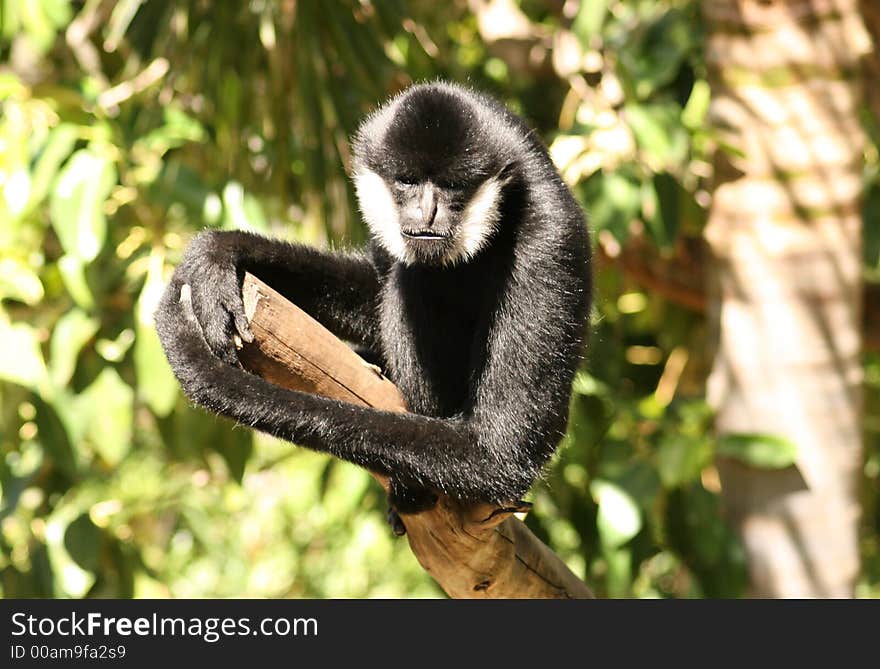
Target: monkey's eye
406,180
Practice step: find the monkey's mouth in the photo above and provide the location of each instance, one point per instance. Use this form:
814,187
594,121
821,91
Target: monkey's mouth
427,235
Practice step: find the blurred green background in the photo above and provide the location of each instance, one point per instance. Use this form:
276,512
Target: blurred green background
126,127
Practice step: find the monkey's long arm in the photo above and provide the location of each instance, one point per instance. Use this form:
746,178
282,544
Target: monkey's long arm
440,454
338,289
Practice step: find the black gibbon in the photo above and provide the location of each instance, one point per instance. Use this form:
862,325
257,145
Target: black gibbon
473,296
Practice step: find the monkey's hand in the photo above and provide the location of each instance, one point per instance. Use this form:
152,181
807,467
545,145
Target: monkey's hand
210,269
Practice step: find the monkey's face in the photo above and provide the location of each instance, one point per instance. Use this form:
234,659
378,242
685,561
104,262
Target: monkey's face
433,221
429,179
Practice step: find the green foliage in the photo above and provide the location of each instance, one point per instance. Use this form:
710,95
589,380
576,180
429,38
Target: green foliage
119,146
759,450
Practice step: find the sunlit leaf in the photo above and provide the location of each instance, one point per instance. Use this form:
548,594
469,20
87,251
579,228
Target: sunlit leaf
19,282
345,489
71,580
587,384
73,274
120,19
589,20
178,129
156,383
764,451
57,148
241,211
70,334
658,133
77,202
114,350
694,113
21,360
16,189
110,415
618,519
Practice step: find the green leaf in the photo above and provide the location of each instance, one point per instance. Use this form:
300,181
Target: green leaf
82,540
619,576
658,133
114,350
19,282
177,130
614,200
16,191
109,402
589,20
618,519
76,207
235,447
21,360
56,436
587,384
156,383
11,23
694,113
764,451
345,489
680,459
120,19
241,211
71,580
70,334
73,275
57,148
667,213
655,50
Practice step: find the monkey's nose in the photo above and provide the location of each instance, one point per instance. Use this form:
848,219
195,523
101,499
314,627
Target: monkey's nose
428,206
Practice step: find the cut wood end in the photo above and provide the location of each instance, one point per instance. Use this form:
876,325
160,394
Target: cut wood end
251,298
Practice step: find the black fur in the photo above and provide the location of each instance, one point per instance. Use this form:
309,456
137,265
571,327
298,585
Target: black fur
484,349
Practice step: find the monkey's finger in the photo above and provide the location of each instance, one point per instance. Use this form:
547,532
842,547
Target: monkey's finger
216,324
189,313
219,335
192,329
234,305
242,325
186,304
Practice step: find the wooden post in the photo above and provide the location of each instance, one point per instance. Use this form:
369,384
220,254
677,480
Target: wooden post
477,552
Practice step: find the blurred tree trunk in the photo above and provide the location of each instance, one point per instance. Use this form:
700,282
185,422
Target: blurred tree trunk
786,281
871,15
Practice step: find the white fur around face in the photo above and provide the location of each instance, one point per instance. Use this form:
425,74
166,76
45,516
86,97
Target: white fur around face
478,221
380,212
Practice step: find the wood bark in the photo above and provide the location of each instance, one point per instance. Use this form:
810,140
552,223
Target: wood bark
786,282
476,552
